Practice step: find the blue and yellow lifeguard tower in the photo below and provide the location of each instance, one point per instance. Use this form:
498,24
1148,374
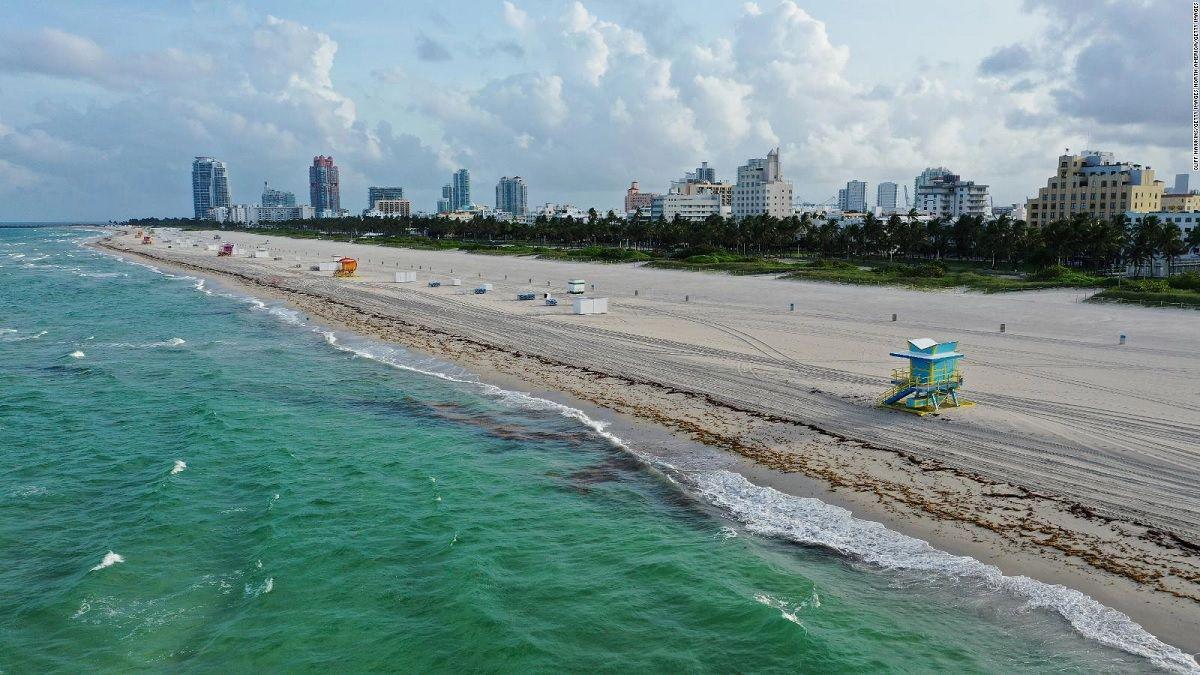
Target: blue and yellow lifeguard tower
930,381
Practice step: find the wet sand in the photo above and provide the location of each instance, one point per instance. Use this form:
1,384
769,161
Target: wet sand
1079,466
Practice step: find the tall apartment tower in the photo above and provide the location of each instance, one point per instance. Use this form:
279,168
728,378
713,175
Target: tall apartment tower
324,187
460,190
446,203
210,186
760,189
705,173
512,195
376,193
853,197
885,196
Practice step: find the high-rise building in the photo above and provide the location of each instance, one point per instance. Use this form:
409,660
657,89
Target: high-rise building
885,196
928,175
273,197
635,199
1181,183
512,196
324,187
210,186
1092,182
375,193
446,203
760,189
460,193
853,197
705,173
941,193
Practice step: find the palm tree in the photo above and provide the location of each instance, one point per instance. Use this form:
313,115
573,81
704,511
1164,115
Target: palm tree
1141,244
1169,242
1193,238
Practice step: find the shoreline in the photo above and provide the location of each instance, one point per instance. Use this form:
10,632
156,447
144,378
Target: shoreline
891,487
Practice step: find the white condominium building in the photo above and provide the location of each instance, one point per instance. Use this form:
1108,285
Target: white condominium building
760,189
696,206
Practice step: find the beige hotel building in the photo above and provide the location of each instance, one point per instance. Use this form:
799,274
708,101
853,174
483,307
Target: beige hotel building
1093,183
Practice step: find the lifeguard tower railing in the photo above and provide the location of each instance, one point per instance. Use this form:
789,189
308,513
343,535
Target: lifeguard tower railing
903,379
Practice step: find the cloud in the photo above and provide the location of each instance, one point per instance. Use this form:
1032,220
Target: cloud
506,47
582,101
57,53
268,106
1118,64
515,17
1010,60
429,49
389,75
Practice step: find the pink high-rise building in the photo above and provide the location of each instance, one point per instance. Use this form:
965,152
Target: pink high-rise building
636,199
324,187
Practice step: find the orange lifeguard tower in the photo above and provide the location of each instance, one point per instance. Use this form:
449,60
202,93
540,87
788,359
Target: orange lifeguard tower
346,267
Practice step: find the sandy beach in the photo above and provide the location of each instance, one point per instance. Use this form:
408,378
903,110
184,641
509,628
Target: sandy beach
1079,465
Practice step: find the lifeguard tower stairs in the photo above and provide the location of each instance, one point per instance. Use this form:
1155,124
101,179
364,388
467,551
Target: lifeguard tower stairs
931,380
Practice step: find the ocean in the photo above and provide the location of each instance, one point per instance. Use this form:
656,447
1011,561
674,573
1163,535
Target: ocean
195,479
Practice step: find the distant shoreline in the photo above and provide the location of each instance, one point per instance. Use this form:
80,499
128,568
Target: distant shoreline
896,488
70,223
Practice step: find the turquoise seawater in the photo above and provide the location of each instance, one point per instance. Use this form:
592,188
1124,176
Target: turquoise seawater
193,480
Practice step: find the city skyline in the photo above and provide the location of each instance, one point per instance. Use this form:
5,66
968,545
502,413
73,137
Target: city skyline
554,92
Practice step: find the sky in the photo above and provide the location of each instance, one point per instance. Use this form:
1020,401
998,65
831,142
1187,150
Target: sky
104,105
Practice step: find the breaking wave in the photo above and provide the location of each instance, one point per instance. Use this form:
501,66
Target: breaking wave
810,521
110,559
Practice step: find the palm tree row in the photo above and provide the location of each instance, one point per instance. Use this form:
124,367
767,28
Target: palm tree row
1082,241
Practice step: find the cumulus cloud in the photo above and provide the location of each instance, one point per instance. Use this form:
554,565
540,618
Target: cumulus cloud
1114,64
515,16
590,101
57,53
267,107
429,49
1010,60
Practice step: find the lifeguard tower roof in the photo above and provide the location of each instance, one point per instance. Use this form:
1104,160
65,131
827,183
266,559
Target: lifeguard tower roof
928,349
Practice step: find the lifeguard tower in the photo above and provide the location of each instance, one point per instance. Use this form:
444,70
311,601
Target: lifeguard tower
931,380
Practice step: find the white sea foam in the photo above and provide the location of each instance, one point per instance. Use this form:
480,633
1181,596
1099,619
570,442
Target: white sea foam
287,315
27,491
253,591
786,610
15,336
110,559
77,354
173,342
180,467
813,522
